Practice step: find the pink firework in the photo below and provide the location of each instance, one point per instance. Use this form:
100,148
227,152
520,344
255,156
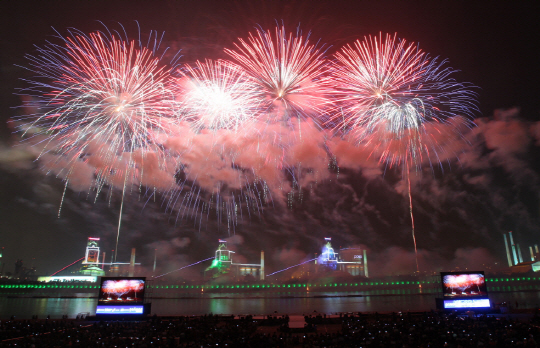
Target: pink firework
101,99
397,100
288,69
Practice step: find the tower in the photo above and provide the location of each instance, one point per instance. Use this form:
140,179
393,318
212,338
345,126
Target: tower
92,251
507,251
261,272
132,263
513,248
222,253
366,274
91,259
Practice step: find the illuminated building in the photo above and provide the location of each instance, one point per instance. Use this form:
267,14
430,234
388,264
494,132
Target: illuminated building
91,259
92,251
350,260
223,265
328,258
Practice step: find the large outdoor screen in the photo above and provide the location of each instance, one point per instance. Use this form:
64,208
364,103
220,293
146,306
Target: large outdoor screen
121,291
463,285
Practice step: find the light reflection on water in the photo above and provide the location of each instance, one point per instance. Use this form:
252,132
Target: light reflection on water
256,304
24,308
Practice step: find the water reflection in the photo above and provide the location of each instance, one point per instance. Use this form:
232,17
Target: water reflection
25,308
260,303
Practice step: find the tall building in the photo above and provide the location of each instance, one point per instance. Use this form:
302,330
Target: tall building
353,261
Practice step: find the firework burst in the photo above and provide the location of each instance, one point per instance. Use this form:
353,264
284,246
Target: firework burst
217,95
288,69
396,99
100,97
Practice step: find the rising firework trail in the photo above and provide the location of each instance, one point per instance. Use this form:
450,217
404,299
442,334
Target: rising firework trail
400,103
102,102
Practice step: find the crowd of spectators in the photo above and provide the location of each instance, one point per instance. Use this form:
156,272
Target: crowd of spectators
357,330
429,330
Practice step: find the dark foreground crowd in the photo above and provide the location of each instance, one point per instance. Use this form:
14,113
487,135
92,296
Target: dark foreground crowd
374,330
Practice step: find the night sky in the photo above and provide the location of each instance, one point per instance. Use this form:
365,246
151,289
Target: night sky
461,208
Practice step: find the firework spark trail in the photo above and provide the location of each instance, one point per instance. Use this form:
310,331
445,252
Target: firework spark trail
103,101
400,103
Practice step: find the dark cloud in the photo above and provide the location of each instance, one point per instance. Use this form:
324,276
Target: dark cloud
460,210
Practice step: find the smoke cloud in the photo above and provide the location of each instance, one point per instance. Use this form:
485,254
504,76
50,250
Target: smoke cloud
283,187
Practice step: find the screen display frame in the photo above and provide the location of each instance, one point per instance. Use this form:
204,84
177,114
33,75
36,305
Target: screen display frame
127,294
476,289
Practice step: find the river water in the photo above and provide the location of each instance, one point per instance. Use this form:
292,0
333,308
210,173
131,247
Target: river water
255,304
